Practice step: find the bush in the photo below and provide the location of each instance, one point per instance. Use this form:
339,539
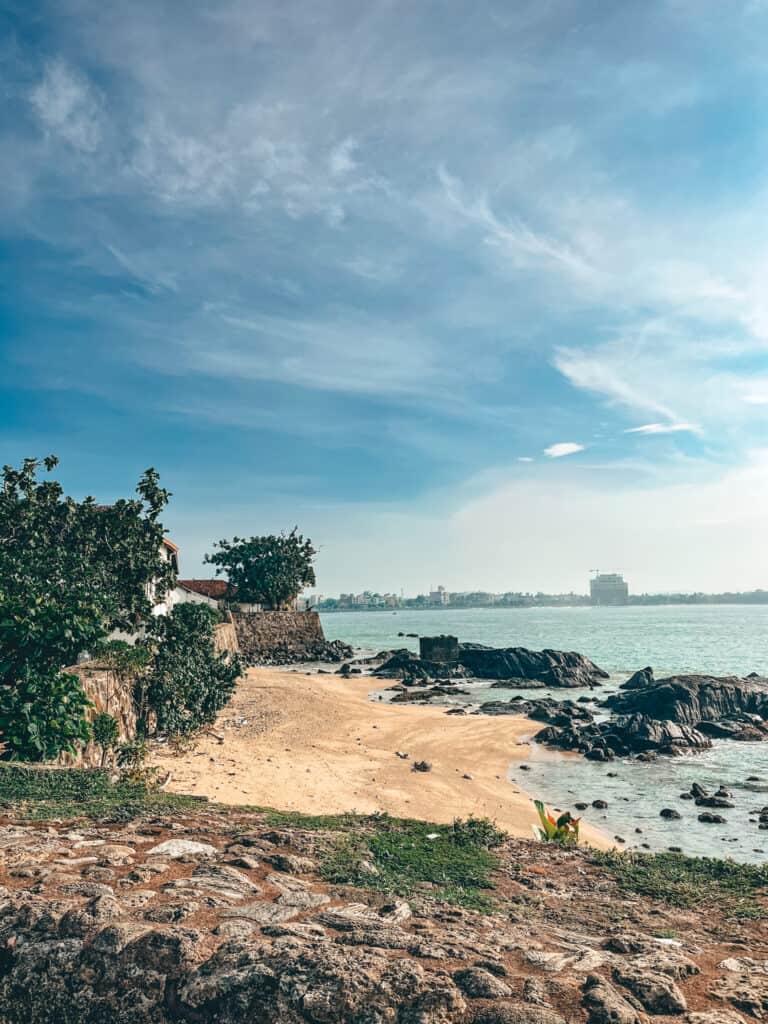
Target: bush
188,681
42,717
105,733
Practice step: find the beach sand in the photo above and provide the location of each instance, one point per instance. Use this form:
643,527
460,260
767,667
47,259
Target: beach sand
317,744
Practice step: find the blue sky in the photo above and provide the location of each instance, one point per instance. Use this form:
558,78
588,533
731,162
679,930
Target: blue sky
476,294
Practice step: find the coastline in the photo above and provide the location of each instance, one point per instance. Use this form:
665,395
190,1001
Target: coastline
317,745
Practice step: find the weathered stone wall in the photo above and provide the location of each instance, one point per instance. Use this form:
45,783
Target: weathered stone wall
282,638
443,649
225,638
108,692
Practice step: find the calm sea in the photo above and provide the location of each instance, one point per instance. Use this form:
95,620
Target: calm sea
717,639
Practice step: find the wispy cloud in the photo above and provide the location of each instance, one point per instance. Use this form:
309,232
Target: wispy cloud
562,448
68,106
664,428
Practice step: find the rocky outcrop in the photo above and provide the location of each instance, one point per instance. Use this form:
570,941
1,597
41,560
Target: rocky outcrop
693,699
220,918
668,716
518,666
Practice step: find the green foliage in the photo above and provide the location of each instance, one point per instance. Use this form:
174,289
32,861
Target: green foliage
126,660
399,856
563,830
42,717
41,794
690,881
188,682
69,573
269,570
105,733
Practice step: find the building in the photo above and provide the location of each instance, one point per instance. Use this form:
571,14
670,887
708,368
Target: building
439,597
608,588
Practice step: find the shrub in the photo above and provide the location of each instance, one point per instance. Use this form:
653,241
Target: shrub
105,733
188,681
42,717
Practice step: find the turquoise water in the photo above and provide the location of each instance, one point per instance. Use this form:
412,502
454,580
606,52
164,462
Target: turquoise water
717,639
722,639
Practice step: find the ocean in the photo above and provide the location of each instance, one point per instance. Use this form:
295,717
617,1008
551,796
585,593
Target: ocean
716,639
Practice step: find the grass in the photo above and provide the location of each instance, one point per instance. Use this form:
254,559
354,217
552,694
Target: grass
41,794
399,856
691,881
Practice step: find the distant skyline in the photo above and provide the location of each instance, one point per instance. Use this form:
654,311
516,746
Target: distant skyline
471,293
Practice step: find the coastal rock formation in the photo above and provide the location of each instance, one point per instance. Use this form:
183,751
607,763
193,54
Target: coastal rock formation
668,716
249,930
517,666
693,699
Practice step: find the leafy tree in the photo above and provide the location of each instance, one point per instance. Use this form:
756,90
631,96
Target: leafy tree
70,572
188,682
269,570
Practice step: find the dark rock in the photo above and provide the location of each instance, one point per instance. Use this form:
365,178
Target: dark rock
708,818
669,812
600,805
421,766
639,679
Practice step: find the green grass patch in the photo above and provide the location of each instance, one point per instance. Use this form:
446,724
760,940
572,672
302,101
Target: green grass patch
395,856
40,794
691,881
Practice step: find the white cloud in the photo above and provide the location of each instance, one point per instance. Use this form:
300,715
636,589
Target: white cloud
663,428
68,106
341,161
557,451
525,458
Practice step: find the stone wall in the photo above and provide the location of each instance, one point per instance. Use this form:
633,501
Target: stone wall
269,635
108,692
225,638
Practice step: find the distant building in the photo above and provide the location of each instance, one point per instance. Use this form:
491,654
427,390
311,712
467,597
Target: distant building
439,596
608,588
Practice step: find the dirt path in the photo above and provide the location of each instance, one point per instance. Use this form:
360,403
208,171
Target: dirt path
316,744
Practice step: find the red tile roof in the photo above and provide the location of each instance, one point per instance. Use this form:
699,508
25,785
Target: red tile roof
211,588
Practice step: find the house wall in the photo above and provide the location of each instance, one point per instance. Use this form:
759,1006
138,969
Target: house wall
180,595
268,636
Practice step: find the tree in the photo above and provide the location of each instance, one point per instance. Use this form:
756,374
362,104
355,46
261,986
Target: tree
187,683
70,572
269,570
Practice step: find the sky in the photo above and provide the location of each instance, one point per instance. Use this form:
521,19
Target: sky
475,294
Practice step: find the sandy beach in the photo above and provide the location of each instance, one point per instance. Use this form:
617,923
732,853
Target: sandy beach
317,744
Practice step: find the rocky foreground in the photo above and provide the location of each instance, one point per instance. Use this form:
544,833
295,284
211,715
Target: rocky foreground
217,917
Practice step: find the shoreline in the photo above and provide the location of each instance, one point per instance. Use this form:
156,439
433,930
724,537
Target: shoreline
316,744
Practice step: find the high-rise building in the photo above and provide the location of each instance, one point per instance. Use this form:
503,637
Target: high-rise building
608,588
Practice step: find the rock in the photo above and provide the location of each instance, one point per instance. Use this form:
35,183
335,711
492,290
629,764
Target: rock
670,813
175,848
657,992
292,864
600,805
714,1017
516,1013
713,801
747,991
479,984
644,677
421,766
708,818
605,1005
